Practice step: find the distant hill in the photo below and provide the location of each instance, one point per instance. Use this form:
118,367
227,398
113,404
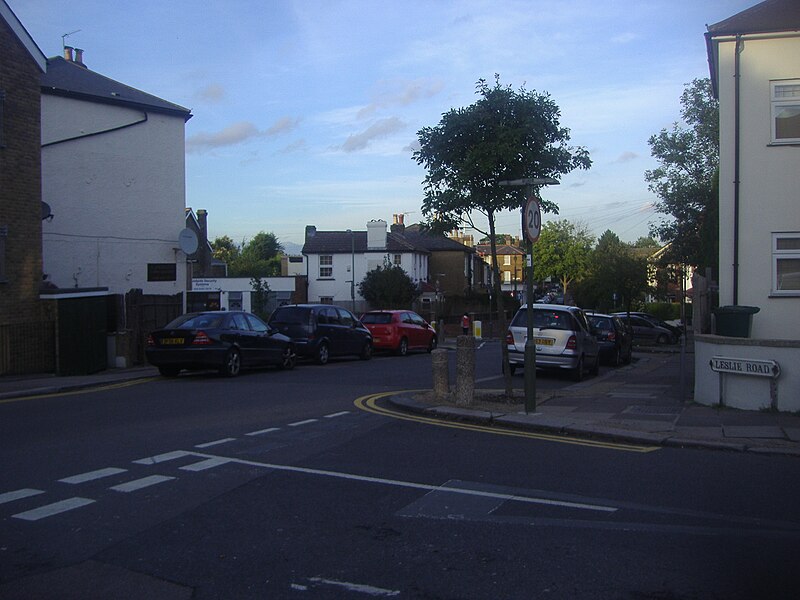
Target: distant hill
291,248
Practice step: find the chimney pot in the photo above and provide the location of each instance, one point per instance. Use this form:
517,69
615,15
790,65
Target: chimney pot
68,53
79,57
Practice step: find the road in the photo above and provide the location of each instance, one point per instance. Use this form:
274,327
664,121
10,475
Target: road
280,485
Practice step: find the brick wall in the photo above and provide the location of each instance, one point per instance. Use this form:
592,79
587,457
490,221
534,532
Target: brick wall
20,182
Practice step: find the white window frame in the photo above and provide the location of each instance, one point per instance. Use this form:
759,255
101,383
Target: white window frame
326,266
778,102
398,259
783,254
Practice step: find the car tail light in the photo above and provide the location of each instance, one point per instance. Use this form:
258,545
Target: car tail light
612,336
201,339
510,338
572,343
150,341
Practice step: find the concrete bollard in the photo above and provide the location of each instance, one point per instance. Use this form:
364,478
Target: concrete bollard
441,374
465,370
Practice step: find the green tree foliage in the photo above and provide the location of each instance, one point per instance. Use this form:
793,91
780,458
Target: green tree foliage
388,286
615,270
563,252
259,299
687,177
259,257
506,134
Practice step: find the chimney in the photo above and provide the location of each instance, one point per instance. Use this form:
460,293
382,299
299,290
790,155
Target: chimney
68,53
203,255
397,224
376,235
311,231
79,57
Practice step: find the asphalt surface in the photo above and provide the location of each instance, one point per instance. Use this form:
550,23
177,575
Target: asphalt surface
647,402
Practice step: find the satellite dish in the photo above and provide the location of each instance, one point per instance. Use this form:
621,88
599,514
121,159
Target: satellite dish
187,240
46,212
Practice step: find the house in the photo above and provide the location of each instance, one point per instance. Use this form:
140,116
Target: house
202,261
511,264
113,172
23,325
337,261
755,73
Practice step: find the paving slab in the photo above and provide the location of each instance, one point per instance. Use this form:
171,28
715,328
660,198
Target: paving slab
753,431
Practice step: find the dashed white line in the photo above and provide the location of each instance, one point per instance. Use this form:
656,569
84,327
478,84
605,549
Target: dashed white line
19,495
205,464
138,484
355,587
92,475
215,443
159,458
263,431
338,414
52,509
306,422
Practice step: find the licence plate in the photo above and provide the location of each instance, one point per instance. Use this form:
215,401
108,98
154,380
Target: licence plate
171,341
544,341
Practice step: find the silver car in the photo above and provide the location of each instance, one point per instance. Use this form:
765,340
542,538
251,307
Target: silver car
564,340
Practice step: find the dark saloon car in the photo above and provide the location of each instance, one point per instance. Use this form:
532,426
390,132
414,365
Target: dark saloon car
647,332
675,331
399,331
616,340
226,341
320,331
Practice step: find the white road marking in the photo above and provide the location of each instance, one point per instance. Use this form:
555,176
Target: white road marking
159,458
306,422
215,443
92,475
338,414
52,509
263,431
19,495
206,464
355,587
138,484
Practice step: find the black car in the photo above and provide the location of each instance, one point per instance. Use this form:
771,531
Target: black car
320,331
226,341
647,332
675,332
616,340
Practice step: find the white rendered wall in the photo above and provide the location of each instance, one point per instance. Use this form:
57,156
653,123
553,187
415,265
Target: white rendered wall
118,196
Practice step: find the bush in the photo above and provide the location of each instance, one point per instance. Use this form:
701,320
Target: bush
666,311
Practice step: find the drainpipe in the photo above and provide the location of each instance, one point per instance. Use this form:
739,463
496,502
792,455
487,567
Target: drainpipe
737,75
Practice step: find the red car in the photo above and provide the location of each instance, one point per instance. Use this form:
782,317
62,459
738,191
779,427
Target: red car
399,331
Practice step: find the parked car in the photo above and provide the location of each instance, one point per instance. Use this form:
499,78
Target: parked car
564,340
647,332
399,331
675,331
320,331
226,341
614,337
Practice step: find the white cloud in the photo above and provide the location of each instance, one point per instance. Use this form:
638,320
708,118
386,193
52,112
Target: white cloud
378,130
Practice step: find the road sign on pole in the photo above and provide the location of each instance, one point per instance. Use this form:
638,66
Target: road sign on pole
532,219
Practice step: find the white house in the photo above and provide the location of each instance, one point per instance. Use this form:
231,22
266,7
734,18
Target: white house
754,58
113,173
337,261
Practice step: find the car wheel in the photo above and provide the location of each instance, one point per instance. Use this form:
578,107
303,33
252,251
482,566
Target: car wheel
323,354
595,370
577,372
232,364
432,345
662,339
288,360
366,351
629,356
616,358
402,349
169,371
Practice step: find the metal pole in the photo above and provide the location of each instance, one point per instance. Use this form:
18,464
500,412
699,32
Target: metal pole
530,342
353,270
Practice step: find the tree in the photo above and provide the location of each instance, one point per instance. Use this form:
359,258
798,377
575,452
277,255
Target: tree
507,134
563,252
645,242
388,286
225,249
259,257
687,178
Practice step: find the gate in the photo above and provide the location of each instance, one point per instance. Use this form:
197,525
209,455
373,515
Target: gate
146,312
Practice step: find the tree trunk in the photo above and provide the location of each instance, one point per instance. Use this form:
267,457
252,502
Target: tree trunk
501,313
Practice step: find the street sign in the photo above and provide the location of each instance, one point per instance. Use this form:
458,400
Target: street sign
532,218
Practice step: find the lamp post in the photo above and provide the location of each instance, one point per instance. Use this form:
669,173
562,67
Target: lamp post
352,270
530,227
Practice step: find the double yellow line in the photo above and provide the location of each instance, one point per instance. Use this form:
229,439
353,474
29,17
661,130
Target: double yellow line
370,404
84,390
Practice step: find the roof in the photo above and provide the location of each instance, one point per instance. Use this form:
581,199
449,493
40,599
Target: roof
502,249
345,242
766,17
65,78
432,241
22,35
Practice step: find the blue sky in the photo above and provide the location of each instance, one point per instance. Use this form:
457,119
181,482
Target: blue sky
306,112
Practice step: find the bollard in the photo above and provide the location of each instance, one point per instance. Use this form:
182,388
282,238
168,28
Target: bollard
465,370
441,374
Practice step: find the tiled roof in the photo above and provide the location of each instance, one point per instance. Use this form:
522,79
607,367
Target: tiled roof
345,242
502,249
765,17
65,78
433,242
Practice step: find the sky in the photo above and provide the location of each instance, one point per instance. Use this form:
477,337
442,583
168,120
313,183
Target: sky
306,112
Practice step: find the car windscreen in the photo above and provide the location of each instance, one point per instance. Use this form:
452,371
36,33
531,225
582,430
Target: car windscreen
544,319
290,315
376,319
601,323
193,321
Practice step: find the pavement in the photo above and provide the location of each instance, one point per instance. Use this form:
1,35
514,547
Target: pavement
648,402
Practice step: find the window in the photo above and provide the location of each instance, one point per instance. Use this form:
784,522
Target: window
326,300
398,259
786,264
507,260
162,272
786,111
326,265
